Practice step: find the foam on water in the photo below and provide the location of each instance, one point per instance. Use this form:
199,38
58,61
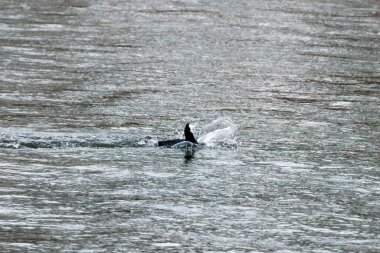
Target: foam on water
221,132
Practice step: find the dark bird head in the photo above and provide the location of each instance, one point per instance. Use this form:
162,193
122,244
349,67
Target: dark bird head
189,135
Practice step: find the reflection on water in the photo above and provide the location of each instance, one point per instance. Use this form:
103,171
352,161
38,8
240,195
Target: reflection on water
86,87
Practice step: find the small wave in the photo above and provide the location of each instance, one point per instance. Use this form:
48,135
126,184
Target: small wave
31,141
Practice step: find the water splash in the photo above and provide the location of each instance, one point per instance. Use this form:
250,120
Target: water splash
221,132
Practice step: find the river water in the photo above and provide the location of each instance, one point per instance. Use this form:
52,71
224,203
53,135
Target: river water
87,88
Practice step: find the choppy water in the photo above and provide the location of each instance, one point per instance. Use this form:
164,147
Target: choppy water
86,87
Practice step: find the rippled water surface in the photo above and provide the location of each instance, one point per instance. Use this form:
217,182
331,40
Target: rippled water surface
87,88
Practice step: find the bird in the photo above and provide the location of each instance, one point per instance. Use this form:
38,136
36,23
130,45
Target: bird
189,136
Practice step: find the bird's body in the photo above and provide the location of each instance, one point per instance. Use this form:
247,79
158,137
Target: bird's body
188,137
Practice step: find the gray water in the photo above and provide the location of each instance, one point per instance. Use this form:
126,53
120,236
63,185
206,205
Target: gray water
87,87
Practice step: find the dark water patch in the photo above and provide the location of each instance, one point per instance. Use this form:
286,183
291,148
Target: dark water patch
181,11
300,100
121,94
120,45
337,108
343,57
336,45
